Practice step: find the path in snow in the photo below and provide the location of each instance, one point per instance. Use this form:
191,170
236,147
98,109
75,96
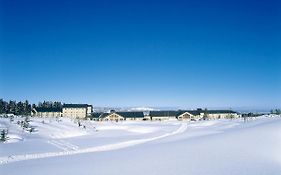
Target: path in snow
64,145
69,150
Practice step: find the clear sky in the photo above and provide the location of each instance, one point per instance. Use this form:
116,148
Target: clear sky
142,53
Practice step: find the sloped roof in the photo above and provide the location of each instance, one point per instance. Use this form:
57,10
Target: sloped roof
103,115
131,114
123,114
75,105
42,109
98,115
221,112
163,113
173,113
95,115
192,112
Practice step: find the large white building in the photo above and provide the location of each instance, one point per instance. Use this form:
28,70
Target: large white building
68,110
76,110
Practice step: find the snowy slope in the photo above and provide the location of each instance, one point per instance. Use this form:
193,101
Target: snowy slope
207,147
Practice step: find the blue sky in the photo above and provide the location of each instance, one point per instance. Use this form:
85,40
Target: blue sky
142,53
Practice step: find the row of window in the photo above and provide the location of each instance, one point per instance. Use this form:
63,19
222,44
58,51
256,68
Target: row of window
76,109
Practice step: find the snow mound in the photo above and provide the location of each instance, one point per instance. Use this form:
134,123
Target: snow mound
12,138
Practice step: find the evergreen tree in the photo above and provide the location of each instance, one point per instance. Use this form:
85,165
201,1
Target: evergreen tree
3,135
40,104
19,108
57,104
12,107
277,111
50,104
205,117
24,108
2,107
27,108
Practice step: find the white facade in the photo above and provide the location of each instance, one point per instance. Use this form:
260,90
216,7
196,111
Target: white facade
189,117
161,118
89,110
74,112
113,117
46,112
223,115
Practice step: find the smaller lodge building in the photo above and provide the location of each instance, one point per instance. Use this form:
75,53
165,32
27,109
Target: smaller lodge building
117,116
176,115
181,115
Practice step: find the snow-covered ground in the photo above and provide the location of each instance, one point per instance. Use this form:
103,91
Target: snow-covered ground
172,147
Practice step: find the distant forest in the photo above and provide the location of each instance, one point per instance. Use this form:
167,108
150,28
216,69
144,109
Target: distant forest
24,107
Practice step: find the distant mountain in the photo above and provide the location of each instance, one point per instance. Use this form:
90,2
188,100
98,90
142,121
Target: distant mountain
142,109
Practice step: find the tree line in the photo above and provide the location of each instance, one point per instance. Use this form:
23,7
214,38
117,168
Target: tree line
16,108
275,111
50,104
24,107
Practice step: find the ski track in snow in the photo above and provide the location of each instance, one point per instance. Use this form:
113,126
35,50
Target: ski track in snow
66,146
70,149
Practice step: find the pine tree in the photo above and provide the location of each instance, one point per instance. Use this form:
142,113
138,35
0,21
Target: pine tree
19,108
2,107
27,108
40,104
205,117
12,107
3,135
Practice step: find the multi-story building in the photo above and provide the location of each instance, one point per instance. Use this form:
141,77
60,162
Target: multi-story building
76,110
